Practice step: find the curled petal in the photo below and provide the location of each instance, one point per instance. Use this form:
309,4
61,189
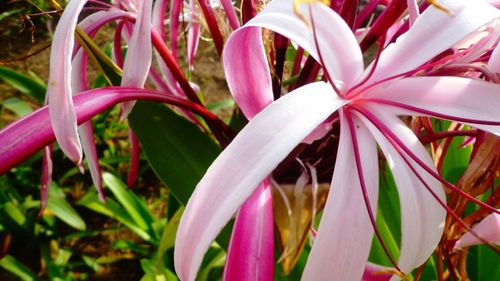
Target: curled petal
268,138
488,229
62,112
342,245
244,60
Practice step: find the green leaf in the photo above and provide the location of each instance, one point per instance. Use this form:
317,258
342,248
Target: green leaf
65,212
167,240
113,210
134,206
24,84
177,150
14,213
19,107
12,265
388,220
112,73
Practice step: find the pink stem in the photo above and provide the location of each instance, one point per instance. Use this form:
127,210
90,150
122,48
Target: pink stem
28,135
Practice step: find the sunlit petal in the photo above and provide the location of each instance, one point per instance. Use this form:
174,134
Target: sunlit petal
251,156
244,60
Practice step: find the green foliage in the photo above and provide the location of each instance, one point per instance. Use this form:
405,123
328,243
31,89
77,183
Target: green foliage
31,86
177,150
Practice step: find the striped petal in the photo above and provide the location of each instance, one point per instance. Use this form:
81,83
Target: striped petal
244,59
422,218
138,60
250,255
342,245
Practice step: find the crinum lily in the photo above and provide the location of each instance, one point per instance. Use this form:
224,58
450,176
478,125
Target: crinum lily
369,103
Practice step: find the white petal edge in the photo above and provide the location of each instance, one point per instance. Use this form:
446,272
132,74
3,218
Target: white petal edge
269,137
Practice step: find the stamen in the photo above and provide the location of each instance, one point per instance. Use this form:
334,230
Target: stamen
447,134
441,7
361,178
297,12
395,141
404,152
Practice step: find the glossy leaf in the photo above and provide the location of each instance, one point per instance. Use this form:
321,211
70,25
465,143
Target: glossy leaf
176,149
9,263
113,210
135,206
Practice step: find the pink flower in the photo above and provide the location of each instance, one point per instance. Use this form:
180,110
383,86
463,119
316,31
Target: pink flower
369,103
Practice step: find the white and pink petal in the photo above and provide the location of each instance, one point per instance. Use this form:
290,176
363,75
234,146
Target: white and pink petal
267,139
343,241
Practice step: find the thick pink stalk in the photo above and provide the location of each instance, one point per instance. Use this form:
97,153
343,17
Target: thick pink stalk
133,172
30,134
251,250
